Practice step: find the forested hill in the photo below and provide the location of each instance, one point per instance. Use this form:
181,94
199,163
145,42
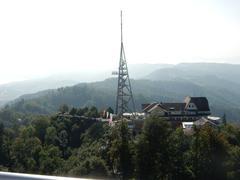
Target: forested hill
102,95
11,91
195,71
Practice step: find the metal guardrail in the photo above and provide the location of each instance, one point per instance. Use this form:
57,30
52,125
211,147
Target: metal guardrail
21,176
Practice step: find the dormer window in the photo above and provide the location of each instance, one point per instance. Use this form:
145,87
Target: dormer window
191,106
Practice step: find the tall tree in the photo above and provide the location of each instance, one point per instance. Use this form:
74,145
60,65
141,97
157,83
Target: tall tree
152,150
2,156
25,151
63,142
224,120
209,154
64,108
179,155
110,110
41,124
120,151
51,136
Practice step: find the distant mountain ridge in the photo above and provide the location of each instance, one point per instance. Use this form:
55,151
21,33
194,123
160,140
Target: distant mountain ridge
224,71
218,82
13,90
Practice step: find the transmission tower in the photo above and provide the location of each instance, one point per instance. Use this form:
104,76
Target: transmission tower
125,101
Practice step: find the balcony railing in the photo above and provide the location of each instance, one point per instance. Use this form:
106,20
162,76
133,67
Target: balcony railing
21,176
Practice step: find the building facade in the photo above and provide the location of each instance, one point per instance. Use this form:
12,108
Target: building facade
190,110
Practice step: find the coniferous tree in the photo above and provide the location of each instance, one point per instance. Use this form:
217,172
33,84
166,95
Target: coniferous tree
224,120
64,108
209,154
152,150
2,155
121,150
110,110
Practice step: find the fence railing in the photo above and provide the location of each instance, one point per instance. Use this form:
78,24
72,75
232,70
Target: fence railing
21,176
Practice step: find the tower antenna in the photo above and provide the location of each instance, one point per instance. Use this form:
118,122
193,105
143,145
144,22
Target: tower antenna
121,29
125,102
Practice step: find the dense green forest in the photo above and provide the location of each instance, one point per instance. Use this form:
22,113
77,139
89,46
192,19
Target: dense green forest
102,94
74,143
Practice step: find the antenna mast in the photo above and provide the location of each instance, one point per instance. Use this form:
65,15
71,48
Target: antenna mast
121,29
124,90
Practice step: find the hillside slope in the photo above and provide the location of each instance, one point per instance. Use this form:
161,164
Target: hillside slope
13,90
102,95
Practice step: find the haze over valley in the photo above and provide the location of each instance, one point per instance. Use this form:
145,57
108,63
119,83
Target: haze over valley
140,89
160,82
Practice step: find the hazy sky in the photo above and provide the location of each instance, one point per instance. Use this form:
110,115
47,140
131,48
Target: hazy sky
50,36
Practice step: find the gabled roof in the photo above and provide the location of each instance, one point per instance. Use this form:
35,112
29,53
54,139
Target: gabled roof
202,121
144,106
156,106
173,106
147,107
200,102
164,106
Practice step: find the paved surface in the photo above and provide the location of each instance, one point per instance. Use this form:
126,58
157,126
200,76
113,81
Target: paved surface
20,176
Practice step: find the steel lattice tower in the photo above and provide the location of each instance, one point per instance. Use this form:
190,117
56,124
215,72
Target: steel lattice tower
124,90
